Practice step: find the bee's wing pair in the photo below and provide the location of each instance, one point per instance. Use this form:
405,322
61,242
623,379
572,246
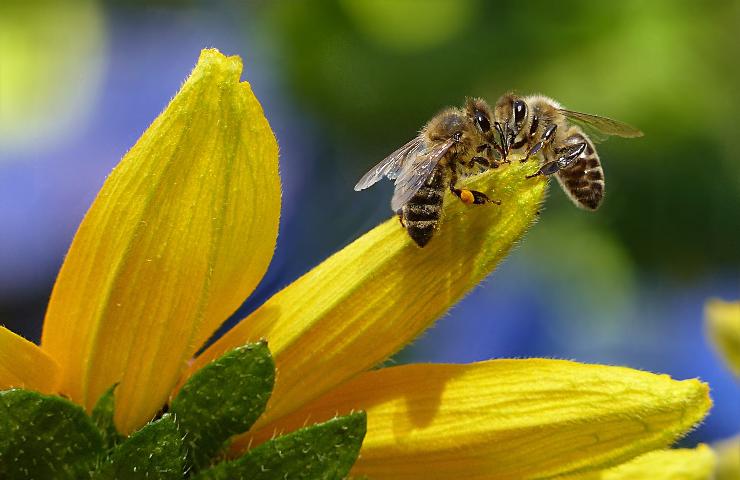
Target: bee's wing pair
410,166
599,128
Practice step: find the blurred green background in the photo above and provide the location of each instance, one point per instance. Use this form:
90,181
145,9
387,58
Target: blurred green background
346,82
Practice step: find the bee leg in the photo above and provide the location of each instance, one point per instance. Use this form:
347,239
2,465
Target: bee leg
489,161
563,162
482,161
500,151
480,198
400,217
471,197
547,137
464,195
494,145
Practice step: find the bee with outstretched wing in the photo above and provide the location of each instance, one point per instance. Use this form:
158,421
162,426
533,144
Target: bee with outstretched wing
537,124
427,165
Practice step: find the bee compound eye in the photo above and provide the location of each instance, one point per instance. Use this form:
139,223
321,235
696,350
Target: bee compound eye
483,123
520,111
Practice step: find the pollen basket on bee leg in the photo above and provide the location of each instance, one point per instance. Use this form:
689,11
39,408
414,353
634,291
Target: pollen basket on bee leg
467,197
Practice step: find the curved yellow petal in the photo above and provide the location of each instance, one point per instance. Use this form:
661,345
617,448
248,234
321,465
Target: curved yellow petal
24,365
505,419
181,232
723,325
679,464
728,459
380,292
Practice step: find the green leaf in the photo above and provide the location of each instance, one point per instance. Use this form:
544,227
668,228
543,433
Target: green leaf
45,436
223,399
155,451
325,451
102,415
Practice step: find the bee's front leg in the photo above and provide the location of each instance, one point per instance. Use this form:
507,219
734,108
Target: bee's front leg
547,137
564,161
489,160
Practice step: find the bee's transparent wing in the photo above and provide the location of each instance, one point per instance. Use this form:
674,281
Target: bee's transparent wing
599,128
416,170
389,167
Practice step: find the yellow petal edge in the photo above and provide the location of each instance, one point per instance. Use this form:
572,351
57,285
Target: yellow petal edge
728,459
679,464
380,292
180,234
24,365
505,419
723,326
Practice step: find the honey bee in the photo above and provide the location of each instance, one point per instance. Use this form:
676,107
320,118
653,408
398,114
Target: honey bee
537,124
454,142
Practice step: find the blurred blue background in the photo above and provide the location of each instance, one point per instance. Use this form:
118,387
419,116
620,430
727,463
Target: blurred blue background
344,83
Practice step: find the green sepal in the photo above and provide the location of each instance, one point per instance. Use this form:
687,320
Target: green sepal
154,451
325,451
223,399
45,436
102,416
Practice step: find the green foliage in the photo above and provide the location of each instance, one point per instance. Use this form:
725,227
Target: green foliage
325,451
155,451
102,416
223,399
43,436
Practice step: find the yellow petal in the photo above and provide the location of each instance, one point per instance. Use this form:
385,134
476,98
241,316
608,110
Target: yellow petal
505,419
25,365
380,292
723,324
679,464
728,459
181,232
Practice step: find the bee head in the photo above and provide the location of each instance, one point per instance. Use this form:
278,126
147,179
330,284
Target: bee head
510,113
478,112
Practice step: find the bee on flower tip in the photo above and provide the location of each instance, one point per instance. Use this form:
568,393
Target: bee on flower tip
455,142
537,124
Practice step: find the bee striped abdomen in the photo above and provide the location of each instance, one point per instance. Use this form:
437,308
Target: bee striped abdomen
422,213
584,180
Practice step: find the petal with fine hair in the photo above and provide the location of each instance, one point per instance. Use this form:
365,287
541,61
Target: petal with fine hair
181,232
24,365
376,295
677,464
505,419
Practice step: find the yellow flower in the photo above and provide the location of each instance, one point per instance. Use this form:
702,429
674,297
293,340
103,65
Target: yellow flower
728,459
679,464
183,230
723,326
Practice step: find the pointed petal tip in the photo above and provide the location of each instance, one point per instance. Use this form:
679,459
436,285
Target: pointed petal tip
213,58
160,260
24,365
506,418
